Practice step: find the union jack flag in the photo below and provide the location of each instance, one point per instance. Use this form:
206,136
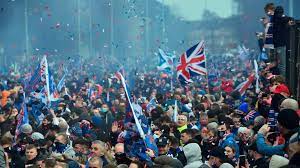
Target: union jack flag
251,115
192,63
246,84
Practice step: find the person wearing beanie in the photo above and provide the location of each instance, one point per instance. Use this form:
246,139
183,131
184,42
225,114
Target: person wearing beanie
226,165
37,136
165,160
216,158
26,129
278,161
289,104
288,124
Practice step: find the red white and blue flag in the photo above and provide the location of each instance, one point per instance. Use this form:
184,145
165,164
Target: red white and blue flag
192,63
246,84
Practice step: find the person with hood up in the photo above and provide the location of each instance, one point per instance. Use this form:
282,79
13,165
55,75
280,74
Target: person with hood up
192,152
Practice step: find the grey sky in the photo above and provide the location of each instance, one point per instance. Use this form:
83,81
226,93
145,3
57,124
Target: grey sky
192,10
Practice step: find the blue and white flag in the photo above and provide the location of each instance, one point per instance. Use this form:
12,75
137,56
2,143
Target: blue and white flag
165,61
61,83
138,124
243,52
22,117
151,105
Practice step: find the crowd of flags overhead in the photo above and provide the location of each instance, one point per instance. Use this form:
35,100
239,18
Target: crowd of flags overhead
192,62
40,86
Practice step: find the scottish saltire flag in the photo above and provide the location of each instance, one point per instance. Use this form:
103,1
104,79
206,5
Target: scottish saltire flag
243,52
192,63
165,61
245,85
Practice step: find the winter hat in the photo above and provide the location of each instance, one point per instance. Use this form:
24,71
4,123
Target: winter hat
218,152
288,118
76,130
96,121
278,161
253,147
226,165
26,128
37,136
289,104
63,126
165,160
244,107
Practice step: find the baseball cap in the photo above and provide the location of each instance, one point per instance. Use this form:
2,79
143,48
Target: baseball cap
162,141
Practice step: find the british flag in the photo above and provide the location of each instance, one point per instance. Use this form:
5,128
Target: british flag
192,63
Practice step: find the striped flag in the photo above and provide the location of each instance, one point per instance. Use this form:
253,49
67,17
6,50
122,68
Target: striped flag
245,85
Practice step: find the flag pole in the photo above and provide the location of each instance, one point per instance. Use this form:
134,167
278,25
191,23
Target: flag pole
206,72
47,80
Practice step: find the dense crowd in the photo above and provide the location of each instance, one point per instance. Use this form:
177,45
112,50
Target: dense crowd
91,123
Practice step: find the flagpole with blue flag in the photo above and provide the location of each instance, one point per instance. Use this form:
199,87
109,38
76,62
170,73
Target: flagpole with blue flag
22,118
61,83
46,73
147,139
138,125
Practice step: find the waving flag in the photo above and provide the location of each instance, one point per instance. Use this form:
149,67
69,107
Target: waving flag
192,63
61,83
22,117
141,122
175,112
151,105
138,124
257,77
243,51
245,85
165,61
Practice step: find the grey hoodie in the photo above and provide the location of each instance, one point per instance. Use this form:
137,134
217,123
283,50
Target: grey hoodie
192,152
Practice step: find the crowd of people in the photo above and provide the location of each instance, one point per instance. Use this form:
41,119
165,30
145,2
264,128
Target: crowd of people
91,124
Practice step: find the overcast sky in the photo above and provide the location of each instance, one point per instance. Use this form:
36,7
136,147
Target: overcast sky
192,10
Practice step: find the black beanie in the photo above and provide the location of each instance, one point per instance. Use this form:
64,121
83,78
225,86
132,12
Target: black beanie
288,118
